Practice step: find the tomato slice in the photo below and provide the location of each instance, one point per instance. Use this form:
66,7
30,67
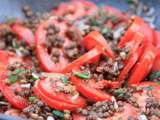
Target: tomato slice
59,105
87,57
132,30
44,58
96,39
3,60
143,67
129,111
48,87
88,91
24,34
15,100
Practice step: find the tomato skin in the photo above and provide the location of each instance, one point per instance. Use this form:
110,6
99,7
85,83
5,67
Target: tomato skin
143,67
24,34
50,91
90,92
90,56
59,105
94,39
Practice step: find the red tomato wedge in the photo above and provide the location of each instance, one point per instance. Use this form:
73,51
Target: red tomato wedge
59,105
42,54
24,34
8,92
15,100
129,111
48,88
87,57
144,65
142,96
94,39
88,91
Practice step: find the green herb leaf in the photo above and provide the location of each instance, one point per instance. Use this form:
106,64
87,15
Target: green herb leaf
12,79
32,99
82,75
64,79
154,75
58,113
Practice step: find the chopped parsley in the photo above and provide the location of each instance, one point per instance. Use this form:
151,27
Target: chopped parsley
119,92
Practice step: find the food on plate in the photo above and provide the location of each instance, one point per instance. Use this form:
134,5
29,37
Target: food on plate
80,62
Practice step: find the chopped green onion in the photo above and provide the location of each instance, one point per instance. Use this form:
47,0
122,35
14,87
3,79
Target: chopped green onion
12,79
58,113
154,75
32,99
64,79
82,75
